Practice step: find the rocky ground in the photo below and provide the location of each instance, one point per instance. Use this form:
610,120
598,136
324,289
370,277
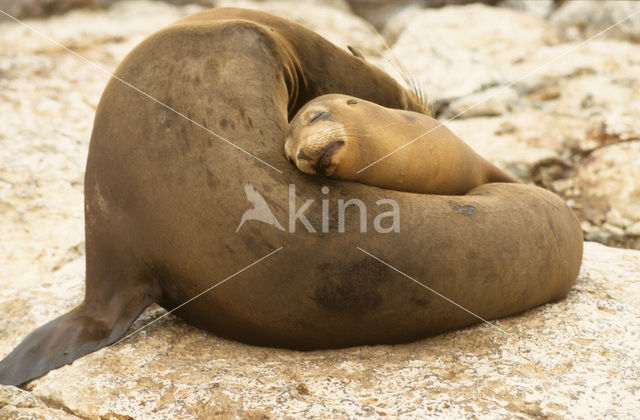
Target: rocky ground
560,110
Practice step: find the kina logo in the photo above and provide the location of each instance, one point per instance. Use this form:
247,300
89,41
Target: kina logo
260,210
297,214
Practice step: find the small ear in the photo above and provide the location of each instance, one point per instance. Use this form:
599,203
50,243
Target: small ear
356,53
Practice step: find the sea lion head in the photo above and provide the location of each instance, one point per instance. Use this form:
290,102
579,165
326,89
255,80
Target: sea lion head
319,140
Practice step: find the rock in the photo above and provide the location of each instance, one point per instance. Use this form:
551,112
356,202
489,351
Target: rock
456,51
606,130
615,218
634,229
530,143
490,102
577,20
22,9
609,183
538,8
579,80
16,403
341,5
587,227
442,3
562,185
512,151
572,101
601,236
586,344
378,12
613,230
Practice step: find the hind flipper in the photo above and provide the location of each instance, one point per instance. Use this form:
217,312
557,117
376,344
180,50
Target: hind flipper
70,336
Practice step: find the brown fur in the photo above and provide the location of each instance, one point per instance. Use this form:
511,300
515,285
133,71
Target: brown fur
163,198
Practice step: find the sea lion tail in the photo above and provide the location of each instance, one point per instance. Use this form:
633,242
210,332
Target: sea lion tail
68,337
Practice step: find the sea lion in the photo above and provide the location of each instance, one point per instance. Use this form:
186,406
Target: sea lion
164,197
349,138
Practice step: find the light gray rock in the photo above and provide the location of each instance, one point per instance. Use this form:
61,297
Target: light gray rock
582,19
538,8
459,50
341,5
378,12
608,194
591,82
634,229
512,150
561,99
489,102
22,9
614,218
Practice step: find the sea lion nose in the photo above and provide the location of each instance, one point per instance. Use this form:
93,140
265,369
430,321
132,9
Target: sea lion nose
320,115
303,156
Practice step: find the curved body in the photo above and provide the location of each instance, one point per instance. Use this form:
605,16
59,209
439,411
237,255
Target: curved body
164,198
348,138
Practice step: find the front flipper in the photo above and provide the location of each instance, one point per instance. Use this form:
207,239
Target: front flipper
68,337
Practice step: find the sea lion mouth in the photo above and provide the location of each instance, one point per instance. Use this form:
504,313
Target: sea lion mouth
324,163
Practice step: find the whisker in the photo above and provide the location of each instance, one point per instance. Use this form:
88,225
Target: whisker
412,83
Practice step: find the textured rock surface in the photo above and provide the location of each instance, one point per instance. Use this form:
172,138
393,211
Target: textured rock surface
571,126
608,184
16,403
378,12
583,19
574,358
459,50
21,9
539,8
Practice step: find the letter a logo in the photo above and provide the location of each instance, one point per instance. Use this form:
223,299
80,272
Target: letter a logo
260,210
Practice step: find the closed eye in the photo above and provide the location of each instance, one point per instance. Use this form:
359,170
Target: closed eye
320,115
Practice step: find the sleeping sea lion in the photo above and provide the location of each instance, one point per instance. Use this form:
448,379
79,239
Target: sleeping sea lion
165,192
